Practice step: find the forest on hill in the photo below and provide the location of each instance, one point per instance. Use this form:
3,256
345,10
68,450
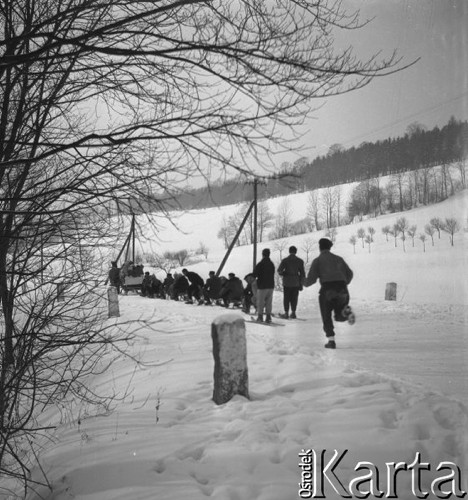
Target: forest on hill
417,149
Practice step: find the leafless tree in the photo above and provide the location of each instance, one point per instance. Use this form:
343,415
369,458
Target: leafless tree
307,246
313,209
353,241
386,230
415,128
429,229
361,234
300,226
177,257
203,250
426,174
446,180
451,226
280,246
332,233
106,104
437,224
265,219
395,232
235,221
402,226
160,262
461,166
400,181
368,240
412,233
335,148
226,232
283,220
329,202
423,238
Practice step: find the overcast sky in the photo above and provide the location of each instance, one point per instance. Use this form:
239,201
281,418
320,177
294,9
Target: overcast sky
429,92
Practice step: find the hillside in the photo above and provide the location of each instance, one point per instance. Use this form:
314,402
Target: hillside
383,264
417,149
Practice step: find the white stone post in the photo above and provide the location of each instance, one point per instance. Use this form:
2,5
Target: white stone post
113,301
230,358
390,291
60,292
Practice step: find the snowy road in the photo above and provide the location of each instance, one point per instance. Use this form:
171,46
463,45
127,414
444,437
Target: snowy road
168,440
417,344
414,343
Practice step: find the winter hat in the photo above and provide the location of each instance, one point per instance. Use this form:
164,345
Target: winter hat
325,244
231,275
266,252
292,249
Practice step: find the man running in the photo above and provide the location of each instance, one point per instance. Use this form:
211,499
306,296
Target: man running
334,276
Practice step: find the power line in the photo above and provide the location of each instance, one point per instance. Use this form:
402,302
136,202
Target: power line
405,118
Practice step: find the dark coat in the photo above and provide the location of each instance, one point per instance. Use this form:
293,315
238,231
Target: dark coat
194,278
168,281
327,268
233,289
181,285
292,271
213,287
265,273
114,275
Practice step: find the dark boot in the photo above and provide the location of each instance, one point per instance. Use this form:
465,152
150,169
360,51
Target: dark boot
260,318
347,313
268,318
330,344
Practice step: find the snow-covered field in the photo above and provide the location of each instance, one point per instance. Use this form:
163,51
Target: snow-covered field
396,385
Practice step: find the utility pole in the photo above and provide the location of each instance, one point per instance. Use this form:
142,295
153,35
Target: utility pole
133,238
255,211
252,207
231,246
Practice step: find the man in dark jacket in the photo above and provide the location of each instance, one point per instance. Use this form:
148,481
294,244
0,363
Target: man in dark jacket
232,291
265,273
250,293
114,276
212,288
167,285
180,286
146,290
291,269
196,286
334,275
156,287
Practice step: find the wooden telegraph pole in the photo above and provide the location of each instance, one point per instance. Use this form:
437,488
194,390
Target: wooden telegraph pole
255,211
252,207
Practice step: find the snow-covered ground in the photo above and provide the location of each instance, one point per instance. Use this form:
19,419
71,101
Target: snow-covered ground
395,386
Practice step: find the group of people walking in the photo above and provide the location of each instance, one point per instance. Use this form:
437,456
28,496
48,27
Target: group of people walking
329,269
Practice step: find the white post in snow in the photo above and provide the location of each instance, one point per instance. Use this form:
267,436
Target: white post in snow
230,358
390,291
60,292
113,300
